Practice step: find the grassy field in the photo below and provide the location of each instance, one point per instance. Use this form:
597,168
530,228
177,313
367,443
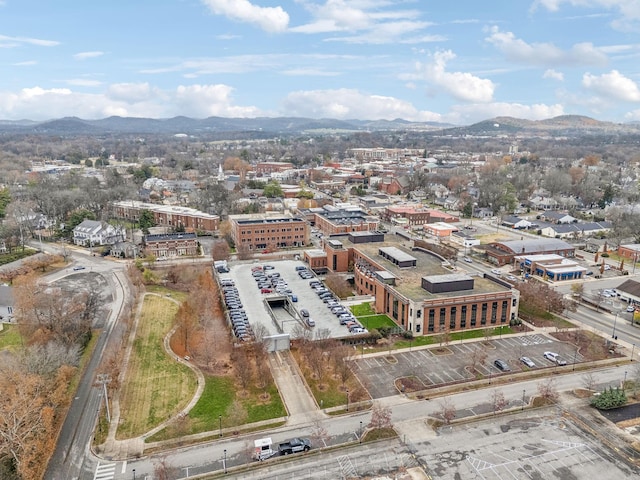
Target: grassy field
10,337
367,317
156,386
160,290
464,335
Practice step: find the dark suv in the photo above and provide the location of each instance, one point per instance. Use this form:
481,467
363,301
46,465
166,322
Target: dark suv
502,365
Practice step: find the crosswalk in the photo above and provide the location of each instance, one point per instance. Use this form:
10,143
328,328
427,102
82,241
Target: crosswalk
105,471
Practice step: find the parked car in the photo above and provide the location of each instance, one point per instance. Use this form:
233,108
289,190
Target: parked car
78,267
502,365
304,313
468,260
555,358
266,290
294,298
294,445
495,271
311,322
528,362
631,308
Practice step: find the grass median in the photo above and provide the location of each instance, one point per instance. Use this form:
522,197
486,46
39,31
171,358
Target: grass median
156,386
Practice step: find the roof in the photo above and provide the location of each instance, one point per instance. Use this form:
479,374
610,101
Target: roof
631,287
536,245
169,236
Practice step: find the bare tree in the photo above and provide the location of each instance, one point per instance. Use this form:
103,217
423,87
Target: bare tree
319,433
589,381
498,401
163,470
380,417
447,411
548,391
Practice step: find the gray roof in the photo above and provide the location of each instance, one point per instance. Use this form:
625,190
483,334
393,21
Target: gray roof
536,245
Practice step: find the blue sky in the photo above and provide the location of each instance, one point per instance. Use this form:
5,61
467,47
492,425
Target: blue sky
459,61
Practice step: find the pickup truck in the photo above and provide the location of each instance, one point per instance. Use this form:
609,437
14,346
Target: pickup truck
294,445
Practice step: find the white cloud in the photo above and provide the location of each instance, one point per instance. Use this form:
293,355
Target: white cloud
366,22
210,100
348,103
270,19
127,100
612,85
85,55
628,10
472,113
517,50
10,42
463,86
553,74
26,63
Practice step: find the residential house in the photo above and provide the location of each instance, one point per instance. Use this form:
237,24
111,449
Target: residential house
558,217
515,222
91,233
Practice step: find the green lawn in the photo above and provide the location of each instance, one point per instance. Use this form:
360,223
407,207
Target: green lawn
10,337
464,335
156,386
369,319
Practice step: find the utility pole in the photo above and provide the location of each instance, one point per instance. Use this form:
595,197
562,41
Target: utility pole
104,378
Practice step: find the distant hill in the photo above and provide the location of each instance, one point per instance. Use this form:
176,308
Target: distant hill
565,125
192,126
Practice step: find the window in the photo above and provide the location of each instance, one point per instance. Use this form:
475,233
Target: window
418,328
503,313
432,316
474,314
452,318
443,314
463,316
483,316
419,314
494,312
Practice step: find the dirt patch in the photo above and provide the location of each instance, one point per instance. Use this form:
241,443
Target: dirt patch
391,359
441,351
589,345
409,384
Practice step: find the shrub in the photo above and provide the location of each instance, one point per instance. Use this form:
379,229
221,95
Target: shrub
407,335
611,398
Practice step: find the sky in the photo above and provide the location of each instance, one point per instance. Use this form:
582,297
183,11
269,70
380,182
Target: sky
456,61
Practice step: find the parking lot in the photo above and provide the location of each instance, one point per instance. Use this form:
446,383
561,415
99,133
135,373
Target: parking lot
520,447
379,372
253,298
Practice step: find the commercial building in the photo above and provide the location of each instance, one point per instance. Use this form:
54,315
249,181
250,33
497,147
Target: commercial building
332,220
551,266
172,217
503,253
268,231
416,215
411,285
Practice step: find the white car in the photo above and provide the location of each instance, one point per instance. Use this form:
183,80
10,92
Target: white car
528,362
631,308
468,260
495,271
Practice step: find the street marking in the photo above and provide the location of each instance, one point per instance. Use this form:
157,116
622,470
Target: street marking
105,471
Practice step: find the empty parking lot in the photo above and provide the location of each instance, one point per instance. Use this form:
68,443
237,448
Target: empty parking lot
380,371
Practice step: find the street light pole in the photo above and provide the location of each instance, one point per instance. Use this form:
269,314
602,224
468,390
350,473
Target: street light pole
523,392
613,334
347,399
224,462
633,347
574,359
134,474
360,435
220,420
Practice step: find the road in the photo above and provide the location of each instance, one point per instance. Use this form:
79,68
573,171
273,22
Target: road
209,457
72,458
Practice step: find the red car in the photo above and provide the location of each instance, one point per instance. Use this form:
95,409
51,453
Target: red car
266,290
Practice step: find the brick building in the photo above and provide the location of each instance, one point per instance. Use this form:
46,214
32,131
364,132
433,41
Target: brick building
417,215
168,245
502,253
267,168
412,287
268,231
169,216
335,221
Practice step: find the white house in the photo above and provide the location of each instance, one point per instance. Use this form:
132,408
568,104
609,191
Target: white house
91,233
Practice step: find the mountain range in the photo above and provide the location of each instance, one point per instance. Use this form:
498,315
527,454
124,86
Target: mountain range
566,125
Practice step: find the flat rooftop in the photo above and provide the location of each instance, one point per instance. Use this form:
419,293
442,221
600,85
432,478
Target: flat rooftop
409,279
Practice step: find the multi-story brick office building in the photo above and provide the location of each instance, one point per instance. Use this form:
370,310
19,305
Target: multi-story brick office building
416,215
265,231
168,245
172,217
412,287
331,220
267,168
